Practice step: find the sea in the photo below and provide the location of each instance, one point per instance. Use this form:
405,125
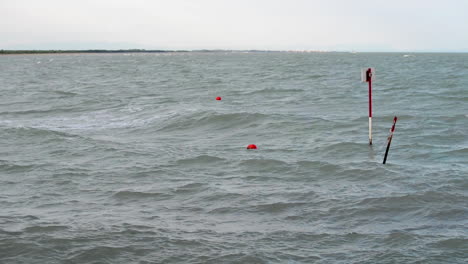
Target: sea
129,158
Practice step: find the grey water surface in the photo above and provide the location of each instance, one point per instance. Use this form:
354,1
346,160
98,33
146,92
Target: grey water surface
128,158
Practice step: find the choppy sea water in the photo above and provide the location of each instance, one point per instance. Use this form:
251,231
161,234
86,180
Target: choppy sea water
128,158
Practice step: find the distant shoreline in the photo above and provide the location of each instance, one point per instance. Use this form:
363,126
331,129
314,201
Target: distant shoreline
105,51
93,51
8,52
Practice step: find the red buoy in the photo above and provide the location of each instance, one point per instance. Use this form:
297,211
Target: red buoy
252,146
218,98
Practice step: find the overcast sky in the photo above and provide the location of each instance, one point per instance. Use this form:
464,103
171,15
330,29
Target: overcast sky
345,25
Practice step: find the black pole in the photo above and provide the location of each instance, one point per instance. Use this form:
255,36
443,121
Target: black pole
386,151
390,139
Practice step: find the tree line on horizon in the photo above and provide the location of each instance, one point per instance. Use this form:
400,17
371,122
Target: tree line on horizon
85,51
3,52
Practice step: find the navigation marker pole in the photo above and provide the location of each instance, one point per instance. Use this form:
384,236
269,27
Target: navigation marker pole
389,139
366,76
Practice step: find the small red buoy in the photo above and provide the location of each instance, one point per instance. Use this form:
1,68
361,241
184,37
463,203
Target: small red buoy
252,146
218,98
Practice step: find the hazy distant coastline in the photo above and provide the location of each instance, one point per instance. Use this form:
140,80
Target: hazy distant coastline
6,52
86,51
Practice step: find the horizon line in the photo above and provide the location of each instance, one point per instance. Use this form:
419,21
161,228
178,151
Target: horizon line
132,50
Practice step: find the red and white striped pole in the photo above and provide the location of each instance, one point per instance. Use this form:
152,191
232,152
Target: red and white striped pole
389,140
369,80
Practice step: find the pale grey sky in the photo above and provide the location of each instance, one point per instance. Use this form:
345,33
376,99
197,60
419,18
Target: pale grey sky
360,25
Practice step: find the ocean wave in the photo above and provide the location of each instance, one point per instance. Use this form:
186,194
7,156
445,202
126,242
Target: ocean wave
277,207
211,121
190,188
227,210
141,195
345,148
459,151
199,160
452,243
100,254
274,91
237,258
17,249
389,118
389,211
264,169
10,233
413,199
94,121
62,94
424,151
45,229
54,110
326,166
449,214
266,164
12,167
222,196
362,174
400,238
27,132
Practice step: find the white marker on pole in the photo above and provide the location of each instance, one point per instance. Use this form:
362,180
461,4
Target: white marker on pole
366,76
